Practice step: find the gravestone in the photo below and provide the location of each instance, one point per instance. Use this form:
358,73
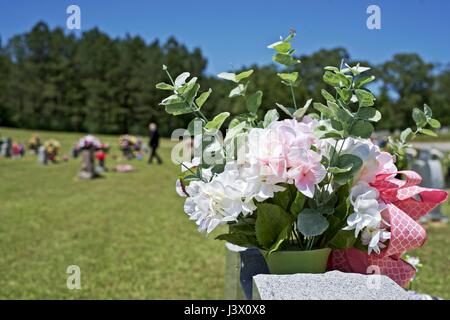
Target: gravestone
87,164
430,169
333,285
42,155
6,148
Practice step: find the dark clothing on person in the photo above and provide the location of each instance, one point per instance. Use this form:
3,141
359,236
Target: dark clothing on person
154,139
154,144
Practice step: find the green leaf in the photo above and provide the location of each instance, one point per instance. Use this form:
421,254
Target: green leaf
202,98
238,91
355,70
331,79
362,129
270,222
333,134
280,46
288,111
181,79
239,239
192,93
428,132
282,199
311,223
324,110
227,76
345,94
173,99
271,116
336,79
195,124
335,170
187,87
298,204
327,95
254,101
243,228
233,132
245,74
285,59
407,135
343,239
282,237
235,122
363,81
419,117
288,77
178,109
343,115
369,114
218,120
164,86
427,111
299,113
435,124
290,36
337,124
365,98
344,161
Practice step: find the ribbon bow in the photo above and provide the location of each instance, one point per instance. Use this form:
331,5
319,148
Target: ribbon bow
406,202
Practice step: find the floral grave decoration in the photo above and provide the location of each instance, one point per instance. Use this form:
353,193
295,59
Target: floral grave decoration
130,145
311,180
52,147
88,142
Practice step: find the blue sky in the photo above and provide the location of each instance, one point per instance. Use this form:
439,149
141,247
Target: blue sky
233,33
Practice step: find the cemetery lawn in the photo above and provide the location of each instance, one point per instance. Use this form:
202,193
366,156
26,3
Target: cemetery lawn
127,233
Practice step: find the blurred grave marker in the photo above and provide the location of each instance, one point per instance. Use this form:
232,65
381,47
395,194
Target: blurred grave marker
429,166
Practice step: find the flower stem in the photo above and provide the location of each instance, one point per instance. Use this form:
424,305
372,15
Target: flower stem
293,96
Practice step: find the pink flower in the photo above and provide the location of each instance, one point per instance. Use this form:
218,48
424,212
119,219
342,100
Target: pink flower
306,170
375,161
266,148
296,134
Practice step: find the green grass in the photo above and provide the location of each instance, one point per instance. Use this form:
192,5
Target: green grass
127,232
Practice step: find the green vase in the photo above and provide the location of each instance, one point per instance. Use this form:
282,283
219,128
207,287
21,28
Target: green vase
292,261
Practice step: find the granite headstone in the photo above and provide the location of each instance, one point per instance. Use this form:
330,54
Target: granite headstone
333,285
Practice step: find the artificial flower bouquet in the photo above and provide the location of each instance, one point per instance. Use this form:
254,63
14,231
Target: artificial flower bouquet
129,145
307,184
88,142
34,142
52,147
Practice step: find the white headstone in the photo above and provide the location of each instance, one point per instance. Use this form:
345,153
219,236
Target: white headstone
333,285
42,155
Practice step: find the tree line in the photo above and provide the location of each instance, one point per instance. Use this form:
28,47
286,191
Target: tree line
93,83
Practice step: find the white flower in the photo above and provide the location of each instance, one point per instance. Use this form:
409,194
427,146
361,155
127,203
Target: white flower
218,201
259,186
180,188
414,261
367,218
374,238
375,161
367,209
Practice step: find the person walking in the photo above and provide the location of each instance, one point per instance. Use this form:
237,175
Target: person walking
153,143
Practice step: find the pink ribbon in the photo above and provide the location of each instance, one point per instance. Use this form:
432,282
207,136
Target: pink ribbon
406,202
